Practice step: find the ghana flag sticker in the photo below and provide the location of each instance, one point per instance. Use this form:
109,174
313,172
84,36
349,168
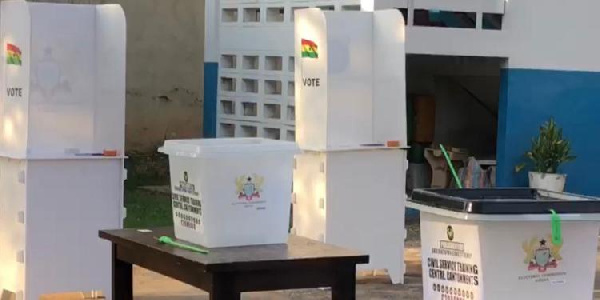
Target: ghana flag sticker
309,49
13,55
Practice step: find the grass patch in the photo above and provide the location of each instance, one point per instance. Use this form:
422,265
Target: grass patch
146,169
147,209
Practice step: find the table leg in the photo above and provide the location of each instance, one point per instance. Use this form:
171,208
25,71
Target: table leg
222,288
345,284
122,281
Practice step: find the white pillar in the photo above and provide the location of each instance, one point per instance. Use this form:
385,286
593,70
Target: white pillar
212,16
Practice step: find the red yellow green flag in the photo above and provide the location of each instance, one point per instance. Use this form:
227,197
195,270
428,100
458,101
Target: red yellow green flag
13,55
309,49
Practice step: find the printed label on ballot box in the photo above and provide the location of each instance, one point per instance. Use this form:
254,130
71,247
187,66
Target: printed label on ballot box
451,261
187,206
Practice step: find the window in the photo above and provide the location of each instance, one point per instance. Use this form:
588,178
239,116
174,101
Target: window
275,14
252,15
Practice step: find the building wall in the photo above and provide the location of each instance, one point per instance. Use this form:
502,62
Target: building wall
165,54
211,67
530,97
553,71
235,30
547,34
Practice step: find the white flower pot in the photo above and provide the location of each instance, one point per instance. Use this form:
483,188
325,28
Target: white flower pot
548,182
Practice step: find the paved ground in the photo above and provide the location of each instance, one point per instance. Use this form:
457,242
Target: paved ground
151,286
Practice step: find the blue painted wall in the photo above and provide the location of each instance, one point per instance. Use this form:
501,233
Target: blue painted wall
211,76
530,97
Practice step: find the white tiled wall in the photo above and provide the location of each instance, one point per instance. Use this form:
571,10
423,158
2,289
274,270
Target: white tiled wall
256,66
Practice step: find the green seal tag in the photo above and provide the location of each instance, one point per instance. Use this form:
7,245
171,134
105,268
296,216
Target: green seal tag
168,241
556,229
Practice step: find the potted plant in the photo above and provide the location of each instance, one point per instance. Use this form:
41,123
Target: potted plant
548,151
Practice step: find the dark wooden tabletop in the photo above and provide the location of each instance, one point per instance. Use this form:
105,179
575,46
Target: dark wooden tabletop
298,250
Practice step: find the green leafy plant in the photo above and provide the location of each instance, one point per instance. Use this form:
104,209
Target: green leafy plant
549,150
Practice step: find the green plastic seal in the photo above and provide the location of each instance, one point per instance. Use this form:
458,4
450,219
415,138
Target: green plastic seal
556,229
169,241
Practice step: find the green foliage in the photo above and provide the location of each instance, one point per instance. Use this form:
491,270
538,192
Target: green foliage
548,150
147,209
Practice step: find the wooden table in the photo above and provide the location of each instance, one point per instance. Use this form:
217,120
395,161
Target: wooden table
227,272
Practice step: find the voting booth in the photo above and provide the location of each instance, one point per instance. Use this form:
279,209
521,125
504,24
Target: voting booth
350,70
62,118
349,182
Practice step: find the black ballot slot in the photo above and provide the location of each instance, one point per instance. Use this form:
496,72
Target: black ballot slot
505,201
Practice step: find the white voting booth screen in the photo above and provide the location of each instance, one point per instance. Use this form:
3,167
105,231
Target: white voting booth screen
351,86
62,73
338,202
15,28
351,91
61,97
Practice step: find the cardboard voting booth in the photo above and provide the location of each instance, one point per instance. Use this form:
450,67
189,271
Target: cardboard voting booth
338,200
503,244
349,183
350,74
62,73
63,95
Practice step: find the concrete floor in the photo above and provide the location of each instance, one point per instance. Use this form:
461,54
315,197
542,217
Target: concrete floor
152,286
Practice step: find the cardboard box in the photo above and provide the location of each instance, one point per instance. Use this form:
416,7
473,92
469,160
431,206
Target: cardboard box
440,172
74,296
8,295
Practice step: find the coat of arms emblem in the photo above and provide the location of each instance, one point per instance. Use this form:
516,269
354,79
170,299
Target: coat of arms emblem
450,233
249,187
542,254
